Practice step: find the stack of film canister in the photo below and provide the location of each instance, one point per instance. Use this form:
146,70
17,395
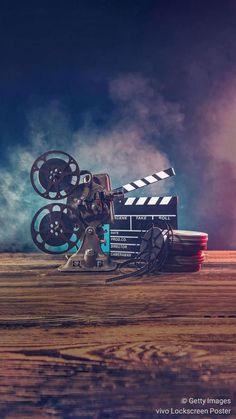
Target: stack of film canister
186,251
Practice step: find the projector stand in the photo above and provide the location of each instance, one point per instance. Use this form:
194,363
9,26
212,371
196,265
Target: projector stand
89,257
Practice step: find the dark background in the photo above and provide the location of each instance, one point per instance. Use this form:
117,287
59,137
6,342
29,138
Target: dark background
65,59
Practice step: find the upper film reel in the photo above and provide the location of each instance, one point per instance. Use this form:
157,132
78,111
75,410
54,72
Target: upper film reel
55,174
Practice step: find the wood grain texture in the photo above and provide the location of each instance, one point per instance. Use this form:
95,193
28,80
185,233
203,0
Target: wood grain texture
73,347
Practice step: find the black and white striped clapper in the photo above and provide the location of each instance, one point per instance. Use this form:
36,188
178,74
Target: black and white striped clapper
148,180
134,216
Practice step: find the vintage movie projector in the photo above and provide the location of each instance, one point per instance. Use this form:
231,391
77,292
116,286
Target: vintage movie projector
77,224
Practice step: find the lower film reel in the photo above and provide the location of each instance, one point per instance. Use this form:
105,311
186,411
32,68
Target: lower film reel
54,229
55,174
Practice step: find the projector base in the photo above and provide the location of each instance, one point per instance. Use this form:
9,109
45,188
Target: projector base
89,257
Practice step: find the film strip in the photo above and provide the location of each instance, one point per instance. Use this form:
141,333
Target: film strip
134,216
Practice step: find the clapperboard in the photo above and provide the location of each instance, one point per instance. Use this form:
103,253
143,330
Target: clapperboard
135,215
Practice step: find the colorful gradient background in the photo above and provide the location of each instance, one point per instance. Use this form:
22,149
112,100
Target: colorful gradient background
128,87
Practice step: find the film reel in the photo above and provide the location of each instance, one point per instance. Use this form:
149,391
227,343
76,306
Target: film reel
151,244
55,175
55,229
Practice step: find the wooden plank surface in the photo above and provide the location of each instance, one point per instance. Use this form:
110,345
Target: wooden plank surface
73,347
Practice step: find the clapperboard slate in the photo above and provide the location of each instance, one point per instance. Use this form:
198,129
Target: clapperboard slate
134,216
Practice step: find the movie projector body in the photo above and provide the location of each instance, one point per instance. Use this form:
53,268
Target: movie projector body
78,224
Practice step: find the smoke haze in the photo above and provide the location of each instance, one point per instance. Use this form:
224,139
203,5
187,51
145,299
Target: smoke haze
128,147
216,202
144,134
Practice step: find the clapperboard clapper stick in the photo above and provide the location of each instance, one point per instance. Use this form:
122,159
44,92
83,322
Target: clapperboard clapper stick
148,180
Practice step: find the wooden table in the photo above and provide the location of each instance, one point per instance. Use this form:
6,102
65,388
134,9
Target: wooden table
73,347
